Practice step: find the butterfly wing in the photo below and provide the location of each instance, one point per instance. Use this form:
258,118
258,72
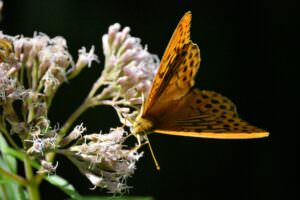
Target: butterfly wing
206,114
177,70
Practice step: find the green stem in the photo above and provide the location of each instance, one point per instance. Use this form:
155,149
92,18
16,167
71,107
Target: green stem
33,191
31,113
14,177
95,87
32,186
4,192
9,112
34,75
28,74
86,104
8,137
22,74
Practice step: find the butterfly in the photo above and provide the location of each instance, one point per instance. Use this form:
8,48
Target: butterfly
173,106
6,47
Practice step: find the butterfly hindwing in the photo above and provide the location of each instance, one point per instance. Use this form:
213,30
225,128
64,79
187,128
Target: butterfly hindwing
206,114
173,55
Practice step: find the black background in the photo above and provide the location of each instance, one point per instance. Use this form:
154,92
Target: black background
243,51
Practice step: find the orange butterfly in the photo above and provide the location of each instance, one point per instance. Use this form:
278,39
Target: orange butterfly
174,107
6,47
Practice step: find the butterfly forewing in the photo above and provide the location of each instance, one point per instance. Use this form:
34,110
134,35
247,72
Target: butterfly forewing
177,82
181,79
171,59
206,114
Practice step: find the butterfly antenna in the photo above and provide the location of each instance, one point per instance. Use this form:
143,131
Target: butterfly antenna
152,153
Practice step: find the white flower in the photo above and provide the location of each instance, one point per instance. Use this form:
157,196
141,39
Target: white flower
86,58
42,141
52,79
74,135
47,167
22,48
38,41
8,85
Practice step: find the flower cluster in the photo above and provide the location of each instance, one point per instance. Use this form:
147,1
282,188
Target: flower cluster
127,76
31,71
104,160
128,63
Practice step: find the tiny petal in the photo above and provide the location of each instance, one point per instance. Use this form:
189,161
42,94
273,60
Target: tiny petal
48,167
122,80
85,59
105,44
74,135
113,29
131,93
95,180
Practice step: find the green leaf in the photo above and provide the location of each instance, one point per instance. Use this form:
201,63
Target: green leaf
21,156
8,188
9,160
69,189
64,185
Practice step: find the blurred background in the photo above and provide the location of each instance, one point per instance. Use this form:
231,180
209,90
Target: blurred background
237,43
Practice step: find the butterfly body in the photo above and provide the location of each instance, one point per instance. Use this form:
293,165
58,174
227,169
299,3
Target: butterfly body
174,107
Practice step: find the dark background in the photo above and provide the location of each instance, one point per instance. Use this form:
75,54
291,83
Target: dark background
242,52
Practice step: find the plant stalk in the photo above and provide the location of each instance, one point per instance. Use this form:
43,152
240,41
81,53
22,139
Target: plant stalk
32,186
18,179
8,137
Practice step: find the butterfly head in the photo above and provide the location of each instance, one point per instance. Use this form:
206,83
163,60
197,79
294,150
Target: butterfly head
142,126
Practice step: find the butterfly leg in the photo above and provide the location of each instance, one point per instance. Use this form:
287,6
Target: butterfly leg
152,153
140,144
